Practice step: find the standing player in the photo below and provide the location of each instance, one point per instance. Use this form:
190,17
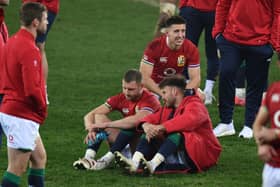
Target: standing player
199,16
133,103
169,55
24,106
53,8
182,125
3,40
250,39
167,8
268,139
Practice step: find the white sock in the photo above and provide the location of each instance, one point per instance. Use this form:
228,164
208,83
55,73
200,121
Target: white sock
156,161
108,157
240,92
90,154
136,158
209,85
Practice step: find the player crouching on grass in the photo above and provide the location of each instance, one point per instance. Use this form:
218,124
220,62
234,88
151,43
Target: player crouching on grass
181,126
134,103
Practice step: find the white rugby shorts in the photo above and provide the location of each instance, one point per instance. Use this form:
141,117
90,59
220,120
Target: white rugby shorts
21,133
270,176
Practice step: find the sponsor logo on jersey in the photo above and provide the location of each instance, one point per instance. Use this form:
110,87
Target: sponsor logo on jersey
181,61
169,72
163,59
125,110
275,98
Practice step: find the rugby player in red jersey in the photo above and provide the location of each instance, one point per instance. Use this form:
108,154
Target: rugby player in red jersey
134,103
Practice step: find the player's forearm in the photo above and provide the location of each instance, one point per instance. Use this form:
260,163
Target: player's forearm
125,123
151,85
88,119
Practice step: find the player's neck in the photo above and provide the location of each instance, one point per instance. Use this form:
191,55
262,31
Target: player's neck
30,30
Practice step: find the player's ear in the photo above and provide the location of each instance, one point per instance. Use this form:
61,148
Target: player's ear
35,22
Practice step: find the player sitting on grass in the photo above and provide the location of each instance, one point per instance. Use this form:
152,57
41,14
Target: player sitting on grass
133,103
182,126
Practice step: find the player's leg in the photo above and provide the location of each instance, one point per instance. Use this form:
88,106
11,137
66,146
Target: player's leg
17,164
194,27
123,139
229,63
258,59
21,135
38,159
144,148
168,147
211,54
240,91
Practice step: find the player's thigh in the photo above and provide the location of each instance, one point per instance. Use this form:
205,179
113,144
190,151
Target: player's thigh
17,161
270,176
38,156
113,133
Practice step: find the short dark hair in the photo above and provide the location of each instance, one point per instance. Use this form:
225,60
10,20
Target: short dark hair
133,75
175,80
30,11
178,20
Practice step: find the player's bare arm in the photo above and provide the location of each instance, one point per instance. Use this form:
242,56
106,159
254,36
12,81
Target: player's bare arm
260,121
90,118
124,123
194,75
148,82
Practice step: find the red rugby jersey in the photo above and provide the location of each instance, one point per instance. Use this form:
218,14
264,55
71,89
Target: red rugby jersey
202,5
23,80
249,22
272,103
128,108
168,62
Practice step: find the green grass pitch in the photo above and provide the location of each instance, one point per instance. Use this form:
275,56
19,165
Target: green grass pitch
92,43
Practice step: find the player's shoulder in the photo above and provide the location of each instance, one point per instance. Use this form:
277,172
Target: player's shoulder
156,43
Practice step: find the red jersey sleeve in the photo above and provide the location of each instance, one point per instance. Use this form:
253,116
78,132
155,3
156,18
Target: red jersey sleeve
221,16
149,103
150,52
32,72
113,102
193,58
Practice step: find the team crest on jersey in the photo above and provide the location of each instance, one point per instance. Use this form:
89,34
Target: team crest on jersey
181,61
125,110
163,59
275,98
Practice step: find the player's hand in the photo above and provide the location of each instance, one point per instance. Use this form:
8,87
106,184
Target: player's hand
266,135
151,130
90,136
266,152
